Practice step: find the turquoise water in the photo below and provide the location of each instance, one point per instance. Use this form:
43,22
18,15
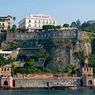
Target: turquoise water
48,92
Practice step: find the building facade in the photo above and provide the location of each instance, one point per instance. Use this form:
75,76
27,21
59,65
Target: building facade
5,54
5,23
5,71
87,77
8,54
36,21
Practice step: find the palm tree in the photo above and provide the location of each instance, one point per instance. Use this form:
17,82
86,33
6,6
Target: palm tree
29,64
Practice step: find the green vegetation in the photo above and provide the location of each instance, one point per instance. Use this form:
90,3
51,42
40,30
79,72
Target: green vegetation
66,25
92,60
14,28
46,27
85,26
44,56
30,67
18,44
70,68
91,63
4,61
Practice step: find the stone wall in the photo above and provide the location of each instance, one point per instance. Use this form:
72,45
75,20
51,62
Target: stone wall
42,83
73,34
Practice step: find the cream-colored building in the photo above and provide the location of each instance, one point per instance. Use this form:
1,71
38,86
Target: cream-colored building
36,21
5,22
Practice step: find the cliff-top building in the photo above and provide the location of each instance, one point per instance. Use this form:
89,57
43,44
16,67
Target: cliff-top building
5,23
36,21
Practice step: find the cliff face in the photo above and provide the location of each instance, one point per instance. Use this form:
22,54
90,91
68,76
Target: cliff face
84,47
63,49
60,59
69,53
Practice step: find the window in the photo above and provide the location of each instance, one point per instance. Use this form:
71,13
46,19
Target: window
29,21
5,69
39,25
39,21
35,25
3,24
46,22
8,19
35,21
43,21
53,22
29,25
50,22
87,69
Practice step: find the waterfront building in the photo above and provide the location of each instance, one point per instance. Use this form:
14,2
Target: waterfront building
5,22
36,21
87,77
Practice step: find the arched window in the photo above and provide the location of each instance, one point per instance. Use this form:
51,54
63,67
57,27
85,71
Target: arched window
2,69
5,82
90,82
5,69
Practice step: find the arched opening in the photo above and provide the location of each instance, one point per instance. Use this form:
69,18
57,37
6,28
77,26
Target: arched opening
48,84
81,82
13,83
90,82
6,83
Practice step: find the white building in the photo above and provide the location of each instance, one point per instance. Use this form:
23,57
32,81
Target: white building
8,54
36,21
5,54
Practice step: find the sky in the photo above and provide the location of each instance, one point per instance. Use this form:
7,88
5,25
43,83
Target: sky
63,11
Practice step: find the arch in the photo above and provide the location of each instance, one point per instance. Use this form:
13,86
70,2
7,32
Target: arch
6,83
90,82
48,84
81,82
13,83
